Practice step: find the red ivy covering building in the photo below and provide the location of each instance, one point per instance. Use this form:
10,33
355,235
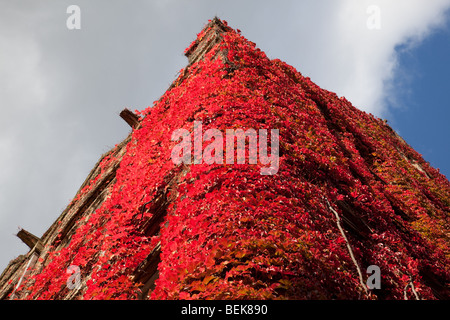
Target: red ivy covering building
349,193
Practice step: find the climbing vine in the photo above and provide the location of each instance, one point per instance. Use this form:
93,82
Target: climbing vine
232,233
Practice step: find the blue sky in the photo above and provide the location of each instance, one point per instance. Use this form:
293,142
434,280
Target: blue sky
61,90
423,113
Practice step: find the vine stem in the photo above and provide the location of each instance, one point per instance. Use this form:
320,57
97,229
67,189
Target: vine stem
410,284
350,251
31,256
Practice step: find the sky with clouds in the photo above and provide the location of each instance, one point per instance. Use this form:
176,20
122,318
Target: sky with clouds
61,90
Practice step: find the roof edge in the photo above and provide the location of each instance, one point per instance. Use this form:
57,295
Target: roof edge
206,39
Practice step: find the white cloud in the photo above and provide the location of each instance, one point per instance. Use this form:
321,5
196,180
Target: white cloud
360,63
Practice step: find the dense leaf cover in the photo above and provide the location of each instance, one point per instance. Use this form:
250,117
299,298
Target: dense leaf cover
232,233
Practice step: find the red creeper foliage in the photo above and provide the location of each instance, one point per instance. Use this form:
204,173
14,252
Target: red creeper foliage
232,233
